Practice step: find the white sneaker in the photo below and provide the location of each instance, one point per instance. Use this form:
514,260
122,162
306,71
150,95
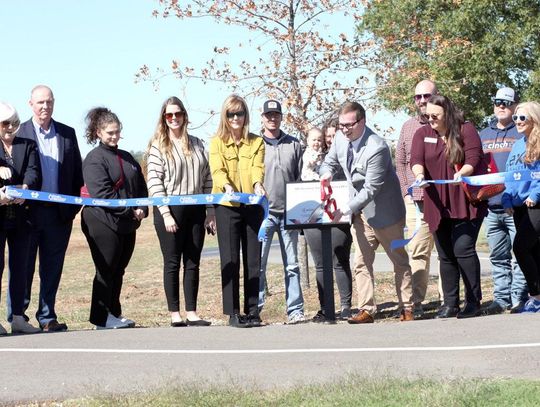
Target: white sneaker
297,318
20,326
113,323
130,322
2,331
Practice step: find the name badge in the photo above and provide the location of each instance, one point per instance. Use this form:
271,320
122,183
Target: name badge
431,140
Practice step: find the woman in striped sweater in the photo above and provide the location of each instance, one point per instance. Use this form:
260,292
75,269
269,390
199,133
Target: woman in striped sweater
177,164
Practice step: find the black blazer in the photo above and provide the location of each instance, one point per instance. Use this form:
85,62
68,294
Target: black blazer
25,170
70,179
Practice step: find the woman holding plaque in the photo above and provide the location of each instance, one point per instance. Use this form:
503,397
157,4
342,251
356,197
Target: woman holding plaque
177,164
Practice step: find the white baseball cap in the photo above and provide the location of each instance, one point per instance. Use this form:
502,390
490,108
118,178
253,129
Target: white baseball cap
7,112
506,94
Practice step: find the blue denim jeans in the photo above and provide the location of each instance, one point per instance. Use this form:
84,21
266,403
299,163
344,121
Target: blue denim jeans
509,285
288,242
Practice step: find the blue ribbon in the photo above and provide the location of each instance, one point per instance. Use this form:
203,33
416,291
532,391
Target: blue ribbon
475,180
174,200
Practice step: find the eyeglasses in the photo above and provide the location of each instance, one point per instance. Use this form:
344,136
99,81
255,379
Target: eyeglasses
348,126
521,117
6,123
230,115
502,102
425,96
176,115
433,116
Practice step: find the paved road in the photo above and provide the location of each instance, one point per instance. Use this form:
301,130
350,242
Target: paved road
73,364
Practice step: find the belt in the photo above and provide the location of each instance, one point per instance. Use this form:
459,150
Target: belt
496,208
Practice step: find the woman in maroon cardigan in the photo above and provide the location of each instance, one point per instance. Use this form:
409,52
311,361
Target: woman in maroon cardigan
438,150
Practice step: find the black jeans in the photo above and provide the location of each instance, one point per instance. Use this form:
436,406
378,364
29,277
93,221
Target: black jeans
185,245
456,244
341,246
111,252
527,245
239,226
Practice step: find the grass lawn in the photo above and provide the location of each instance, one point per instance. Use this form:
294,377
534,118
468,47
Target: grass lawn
353,391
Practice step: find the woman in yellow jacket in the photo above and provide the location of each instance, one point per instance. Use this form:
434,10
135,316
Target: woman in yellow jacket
237,165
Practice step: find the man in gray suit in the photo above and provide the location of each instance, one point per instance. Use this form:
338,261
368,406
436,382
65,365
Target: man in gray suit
376,206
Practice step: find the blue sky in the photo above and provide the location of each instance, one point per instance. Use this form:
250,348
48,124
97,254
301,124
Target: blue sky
89,51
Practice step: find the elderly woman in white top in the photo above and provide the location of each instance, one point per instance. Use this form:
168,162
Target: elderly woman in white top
177,164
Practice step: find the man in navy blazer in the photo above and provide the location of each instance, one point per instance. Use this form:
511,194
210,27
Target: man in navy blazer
61,167
376,206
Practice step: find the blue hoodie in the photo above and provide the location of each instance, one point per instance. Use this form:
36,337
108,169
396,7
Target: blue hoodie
517,192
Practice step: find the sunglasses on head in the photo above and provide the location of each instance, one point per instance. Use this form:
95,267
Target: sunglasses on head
176,115
502,102
230,115
520,117
425,96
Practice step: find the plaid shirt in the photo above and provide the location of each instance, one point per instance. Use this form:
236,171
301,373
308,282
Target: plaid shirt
403,157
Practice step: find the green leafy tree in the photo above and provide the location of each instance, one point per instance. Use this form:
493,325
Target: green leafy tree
296,54
468,47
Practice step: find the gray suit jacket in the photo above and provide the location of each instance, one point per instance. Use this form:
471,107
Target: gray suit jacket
373,183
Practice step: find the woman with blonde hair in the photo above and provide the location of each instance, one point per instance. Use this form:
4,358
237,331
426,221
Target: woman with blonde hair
177,164
522,199
237,165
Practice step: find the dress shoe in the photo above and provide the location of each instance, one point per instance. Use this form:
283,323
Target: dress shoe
54,326
129,322
253,320
178,324
363,317
493,309
447,312
470,310
20,326
406,315
112,323
2,331
238,321
198,322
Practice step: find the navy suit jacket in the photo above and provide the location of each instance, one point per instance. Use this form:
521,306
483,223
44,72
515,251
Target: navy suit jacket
70,179
25,170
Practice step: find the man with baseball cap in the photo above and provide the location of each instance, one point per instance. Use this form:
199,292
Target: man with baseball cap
283,163
509,285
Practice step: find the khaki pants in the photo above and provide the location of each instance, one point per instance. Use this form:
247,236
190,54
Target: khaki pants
419,252
366,240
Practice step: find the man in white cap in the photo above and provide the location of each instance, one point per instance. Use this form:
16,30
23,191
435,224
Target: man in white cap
509,285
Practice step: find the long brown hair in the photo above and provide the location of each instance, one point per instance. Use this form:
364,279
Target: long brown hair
453,120
532,144
161,134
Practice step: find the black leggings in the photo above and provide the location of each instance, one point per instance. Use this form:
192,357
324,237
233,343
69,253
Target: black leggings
456,244
527,245
341,246
185,245
111,252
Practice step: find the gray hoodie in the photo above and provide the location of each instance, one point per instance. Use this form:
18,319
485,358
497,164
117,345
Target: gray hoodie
283,163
